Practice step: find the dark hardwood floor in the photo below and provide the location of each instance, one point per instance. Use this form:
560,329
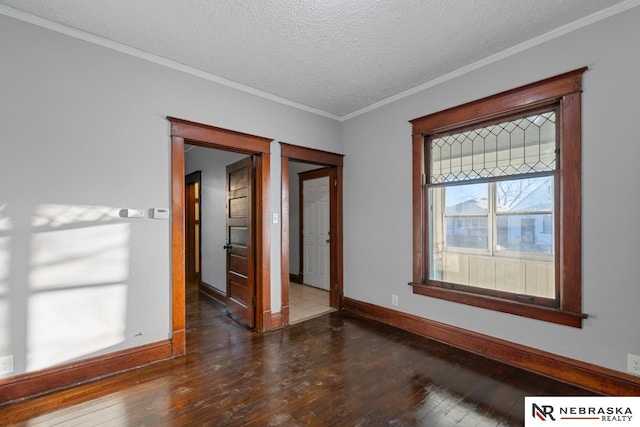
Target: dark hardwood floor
337,369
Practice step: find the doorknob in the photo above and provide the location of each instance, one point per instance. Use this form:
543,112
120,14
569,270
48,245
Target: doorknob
327,240
228,247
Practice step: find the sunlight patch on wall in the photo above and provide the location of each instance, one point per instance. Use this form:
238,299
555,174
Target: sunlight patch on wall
77,283
5,337
79,256
5,228
5,251
4,297
54,216
72,323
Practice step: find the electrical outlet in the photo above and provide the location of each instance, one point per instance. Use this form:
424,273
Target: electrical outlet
6,365
633,364
394,300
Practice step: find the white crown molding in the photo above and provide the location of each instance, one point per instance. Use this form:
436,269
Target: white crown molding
119,47
565,29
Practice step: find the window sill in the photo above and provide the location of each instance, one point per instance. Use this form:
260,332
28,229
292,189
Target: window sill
546,314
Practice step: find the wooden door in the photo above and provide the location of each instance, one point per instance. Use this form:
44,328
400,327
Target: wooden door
240,242
315,232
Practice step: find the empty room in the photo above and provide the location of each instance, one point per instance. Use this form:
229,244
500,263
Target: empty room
366,212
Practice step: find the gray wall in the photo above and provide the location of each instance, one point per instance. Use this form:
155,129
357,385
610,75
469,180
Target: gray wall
378,205
213,199
84,134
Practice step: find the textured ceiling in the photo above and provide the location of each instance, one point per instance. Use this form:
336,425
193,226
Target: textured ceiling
336,56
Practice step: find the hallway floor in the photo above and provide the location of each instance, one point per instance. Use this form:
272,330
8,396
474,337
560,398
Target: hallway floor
307,302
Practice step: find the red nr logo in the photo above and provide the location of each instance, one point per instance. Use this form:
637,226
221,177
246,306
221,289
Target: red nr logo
542,412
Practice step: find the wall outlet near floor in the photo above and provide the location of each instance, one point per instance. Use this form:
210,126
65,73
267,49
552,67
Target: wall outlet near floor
6,365
633,364
394,300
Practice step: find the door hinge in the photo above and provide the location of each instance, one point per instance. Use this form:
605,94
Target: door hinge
335,182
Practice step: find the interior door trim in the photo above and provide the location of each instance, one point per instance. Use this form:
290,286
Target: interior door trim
335,163
184,131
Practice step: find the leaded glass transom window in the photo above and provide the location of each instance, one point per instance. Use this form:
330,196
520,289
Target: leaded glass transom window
520,146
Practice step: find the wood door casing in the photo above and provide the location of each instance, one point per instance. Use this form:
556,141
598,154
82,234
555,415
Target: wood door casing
192,227
334,162
240,242
186,131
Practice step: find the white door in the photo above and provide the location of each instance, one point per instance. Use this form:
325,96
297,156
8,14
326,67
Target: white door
315,232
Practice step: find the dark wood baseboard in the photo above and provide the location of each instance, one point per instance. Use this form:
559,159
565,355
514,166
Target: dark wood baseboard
284,314
276,320
212,292
296,278
179,343
592,377
33,384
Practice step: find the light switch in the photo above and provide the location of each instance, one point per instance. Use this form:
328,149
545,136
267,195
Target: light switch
275,218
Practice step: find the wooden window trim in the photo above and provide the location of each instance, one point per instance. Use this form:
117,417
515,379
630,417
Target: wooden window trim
564,91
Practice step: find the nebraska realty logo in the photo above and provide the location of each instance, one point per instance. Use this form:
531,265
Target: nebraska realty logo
582,411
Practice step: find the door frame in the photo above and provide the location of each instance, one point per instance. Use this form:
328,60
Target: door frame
196,177
184,131
334,162
302,177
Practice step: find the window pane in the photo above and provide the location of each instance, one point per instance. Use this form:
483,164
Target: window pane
435,242
466,210
467,199
525,195
467,232
503,244
530,233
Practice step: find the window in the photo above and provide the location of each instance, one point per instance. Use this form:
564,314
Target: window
496,186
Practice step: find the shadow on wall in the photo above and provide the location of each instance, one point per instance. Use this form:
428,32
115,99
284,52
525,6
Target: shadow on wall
69,300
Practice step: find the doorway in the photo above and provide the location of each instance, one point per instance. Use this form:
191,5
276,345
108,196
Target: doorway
183,131
220,229
331,166
309,241
315,235
193,236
